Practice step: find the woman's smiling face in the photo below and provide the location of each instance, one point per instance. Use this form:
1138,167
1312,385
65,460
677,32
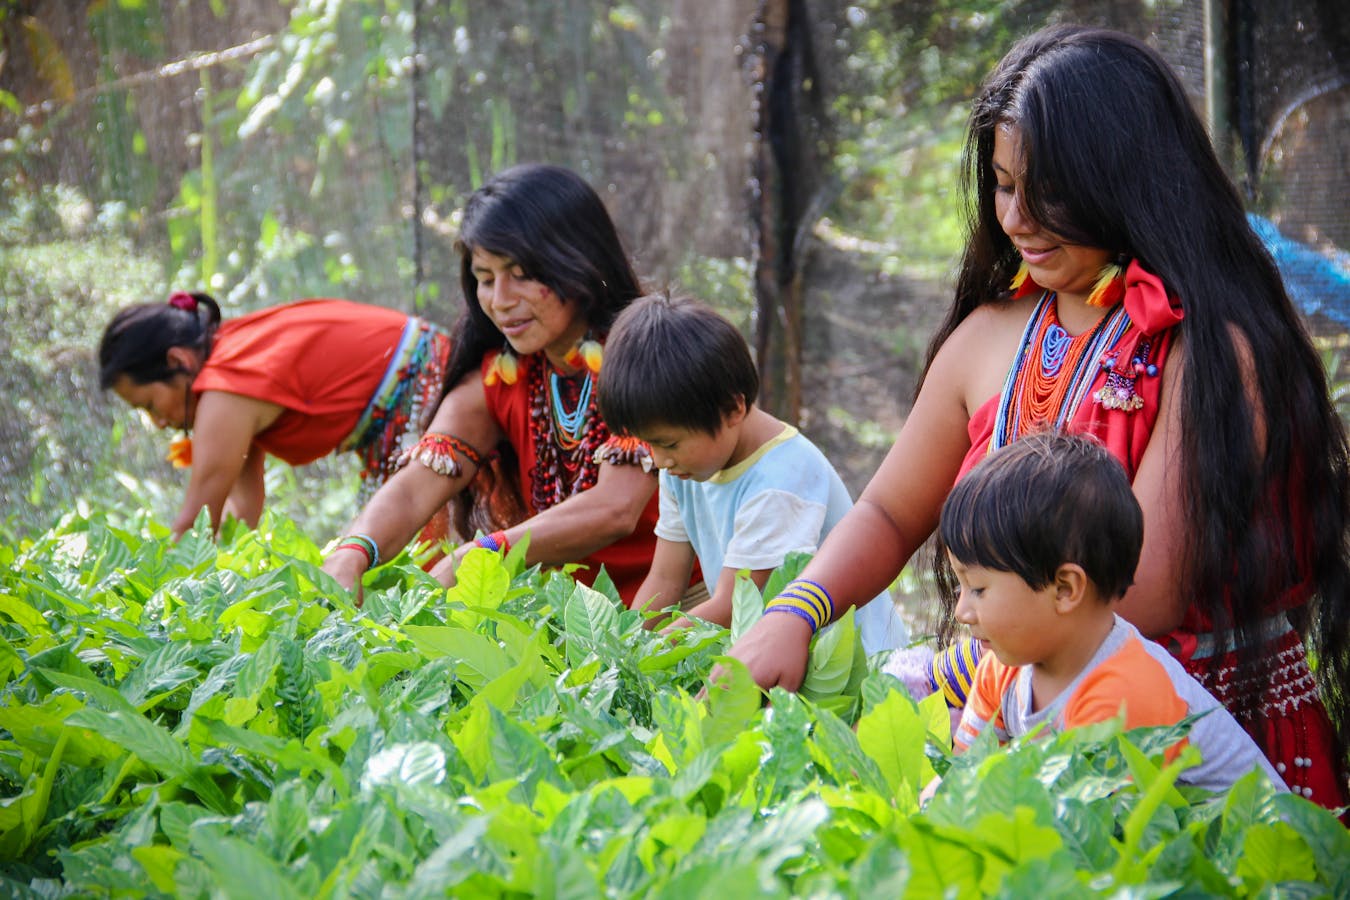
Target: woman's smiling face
527,312
1068,269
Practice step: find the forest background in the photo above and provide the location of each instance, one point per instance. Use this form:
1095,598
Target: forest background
794,163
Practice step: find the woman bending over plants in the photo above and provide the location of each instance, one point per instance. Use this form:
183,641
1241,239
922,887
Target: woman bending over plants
1111,285
297,381
544,275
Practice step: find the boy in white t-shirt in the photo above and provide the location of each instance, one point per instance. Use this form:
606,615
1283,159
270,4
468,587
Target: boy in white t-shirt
739,489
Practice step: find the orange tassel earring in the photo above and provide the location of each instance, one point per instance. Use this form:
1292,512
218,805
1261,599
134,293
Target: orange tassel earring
180,453
1110,286
587,353
505,368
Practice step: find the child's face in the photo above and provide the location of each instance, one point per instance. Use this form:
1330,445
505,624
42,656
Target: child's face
1006,615
690,454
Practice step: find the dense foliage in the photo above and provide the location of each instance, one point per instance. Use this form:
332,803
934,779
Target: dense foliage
218,720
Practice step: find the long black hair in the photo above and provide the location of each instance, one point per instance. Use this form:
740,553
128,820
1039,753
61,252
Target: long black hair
551,223
137,341
1116,158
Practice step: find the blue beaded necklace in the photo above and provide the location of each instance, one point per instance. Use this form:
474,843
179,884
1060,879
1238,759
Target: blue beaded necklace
569,424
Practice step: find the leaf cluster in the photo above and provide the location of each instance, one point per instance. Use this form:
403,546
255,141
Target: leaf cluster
208,719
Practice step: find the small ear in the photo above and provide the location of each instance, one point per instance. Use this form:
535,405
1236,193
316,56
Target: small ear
737,415
1071,587
182,359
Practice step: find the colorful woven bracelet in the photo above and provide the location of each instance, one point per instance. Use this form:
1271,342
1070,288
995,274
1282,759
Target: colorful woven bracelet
806,598
496,541
782,607
364,542
355,545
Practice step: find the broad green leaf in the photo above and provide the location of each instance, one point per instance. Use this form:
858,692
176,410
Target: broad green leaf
37,728
481,580
21,816
747,607
136,734
288,755
1328,839
589,619
830,663
1274,852
477,659
159,863
417,763
893,734
836,751
734,701
471,739
24,615
450,863
517,754
790,569
241,869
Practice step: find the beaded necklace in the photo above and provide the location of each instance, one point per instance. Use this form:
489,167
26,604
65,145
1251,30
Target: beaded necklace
565,442
567,426
1052,371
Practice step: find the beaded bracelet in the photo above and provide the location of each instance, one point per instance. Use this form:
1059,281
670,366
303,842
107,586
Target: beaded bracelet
496,542
438,453
364,543
806,599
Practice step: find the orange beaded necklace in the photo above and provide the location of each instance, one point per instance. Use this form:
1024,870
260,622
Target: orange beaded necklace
1052,371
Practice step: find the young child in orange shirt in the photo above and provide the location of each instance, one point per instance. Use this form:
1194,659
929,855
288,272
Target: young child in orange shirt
1044,535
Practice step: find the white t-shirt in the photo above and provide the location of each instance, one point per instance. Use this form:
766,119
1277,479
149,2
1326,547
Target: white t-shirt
784,497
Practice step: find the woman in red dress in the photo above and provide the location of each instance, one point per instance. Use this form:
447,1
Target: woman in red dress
1112,285
544,276
297,381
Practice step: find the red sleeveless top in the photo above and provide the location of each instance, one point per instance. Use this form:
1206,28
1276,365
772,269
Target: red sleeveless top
320,360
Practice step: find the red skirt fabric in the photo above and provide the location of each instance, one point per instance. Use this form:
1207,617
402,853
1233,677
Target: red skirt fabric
1291,724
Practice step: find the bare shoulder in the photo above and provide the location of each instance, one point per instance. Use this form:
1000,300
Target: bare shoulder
975,359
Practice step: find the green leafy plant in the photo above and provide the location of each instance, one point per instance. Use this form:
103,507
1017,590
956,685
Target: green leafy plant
217,719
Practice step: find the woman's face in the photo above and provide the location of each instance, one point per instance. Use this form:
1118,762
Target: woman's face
530,315
1070,270
168,403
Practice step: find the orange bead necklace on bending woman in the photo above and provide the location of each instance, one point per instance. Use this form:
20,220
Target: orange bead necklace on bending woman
1052,371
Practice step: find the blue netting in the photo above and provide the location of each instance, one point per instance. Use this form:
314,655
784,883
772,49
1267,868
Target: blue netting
1317,283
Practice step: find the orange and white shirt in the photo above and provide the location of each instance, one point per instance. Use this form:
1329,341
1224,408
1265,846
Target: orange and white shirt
1127,673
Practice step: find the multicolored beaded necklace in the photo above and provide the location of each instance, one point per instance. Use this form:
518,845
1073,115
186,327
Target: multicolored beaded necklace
565,441
1052,371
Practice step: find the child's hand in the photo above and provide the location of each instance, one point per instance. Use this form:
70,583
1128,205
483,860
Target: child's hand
775,651
678,625
928,791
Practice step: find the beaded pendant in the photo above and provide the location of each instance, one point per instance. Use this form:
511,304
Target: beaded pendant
1118,391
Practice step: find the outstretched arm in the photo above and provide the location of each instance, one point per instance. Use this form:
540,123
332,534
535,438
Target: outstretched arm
581,524
897,512
222,444
718,607
668,578
409,499
245,502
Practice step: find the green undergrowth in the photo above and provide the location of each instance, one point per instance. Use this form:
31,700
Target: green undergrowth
217,719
